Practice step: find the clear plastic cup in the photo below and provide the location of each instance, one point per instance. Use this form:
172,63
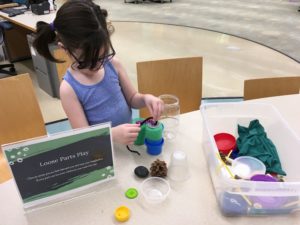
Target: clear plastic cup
170,115
155,190
179,168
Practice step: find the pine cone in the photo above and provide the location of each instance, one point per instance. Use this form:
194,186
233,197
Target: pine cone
158,169
223,157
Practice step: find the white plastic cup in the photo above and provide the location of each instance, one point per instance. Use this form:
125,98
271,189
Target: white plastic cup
179,168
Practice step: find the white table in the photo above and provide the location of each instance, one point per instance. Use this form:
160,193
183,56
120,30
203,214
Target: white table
28,20
191,202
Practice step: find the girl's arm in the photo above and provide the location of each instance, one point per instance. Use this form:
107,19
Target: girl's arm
124,134
72,106
135,99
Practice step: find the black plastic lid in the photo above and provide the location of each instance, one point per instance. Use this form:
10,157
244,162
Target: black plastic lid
141,171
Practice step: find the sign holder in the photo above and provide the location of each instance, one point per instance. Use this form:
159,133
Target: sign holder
62,166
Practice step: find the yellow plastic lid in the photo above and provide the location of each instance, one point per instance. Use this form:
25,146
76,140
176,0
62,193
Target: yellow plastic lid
122,214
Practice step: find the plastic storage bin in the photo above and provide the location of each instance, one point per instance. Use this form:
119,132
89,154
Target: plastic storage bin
242,197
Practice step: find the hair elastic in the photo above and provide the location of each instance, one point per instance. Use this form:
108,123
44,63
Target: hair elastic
52,26
132,150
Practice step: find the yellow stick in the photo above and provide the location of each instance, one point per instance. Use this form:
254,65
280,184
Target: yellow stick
246,198
226,167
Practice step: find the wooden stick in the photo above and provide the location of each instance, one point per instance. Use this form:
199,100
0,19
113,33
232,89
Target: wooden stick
229,154
291,204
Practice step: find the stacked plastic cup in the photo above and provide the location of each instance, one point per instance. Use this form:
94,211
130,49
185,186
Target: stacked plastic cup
140,140
151,135
153,139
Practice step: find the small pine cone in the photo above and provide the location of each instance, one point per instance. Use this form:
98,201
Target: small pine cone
223,157
158,169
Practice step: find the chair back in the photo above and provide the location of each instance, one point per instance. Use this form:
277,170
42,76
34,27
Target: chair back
268,87
61,68
181,77
20,114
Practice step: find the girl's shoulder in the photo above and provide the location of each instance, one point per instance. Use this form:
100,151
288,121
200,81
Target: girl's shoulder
116,62
65,89
117,65
65,86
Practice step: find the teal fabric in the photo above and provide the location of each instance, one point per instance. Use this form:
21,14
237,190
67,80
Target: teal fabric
253,141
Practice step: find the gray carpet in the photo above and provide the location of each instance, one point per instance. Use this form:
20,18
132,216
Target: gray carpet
273,23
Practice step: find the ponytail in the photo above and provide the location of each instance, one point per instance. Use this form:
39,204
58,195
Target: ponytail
45,36
78,25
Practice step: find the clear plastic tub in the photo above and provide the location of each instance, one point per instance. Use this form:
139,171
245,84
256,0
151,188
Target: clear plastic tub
155,189
242,197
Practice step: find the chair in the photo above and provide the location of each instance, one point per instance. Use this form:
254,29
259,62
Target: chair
9,68
267,87
20,115
181,77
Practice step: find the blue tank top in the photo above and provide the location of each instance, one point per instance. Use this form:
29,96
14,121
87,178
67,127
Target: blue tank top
104,101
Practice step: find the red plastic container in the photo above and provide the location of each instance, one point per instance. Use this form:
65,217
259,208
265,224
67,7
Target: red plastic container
225,142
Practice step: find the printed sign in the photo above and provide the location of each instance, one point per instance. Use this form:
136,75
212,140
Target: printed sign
54,165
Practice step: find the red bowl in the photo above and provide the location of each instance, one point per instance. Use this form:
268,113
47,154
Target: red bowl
225,142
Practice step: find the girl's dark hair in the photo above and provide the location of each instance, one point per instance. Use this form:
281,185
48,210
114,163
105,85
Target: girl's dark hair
81,27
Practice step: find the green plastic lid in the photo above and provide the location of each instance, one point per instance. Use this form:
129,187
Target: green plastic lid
131,193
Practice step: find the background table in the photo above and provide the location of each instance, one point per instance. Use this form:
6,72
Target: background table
28,20
191,202
16,40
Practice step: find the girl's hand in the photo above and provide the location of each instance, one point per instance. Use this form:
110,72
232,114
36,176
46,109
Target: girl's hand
154,105
125,133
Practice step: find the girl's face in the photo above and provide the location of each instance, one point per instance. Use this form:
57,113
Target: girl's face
102,59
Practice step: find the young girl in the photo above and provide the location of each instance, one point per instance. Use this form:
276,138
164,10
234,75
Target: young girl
96,88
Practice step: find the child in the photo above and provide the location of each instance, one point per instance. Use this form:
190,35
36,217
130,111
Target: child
96,88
